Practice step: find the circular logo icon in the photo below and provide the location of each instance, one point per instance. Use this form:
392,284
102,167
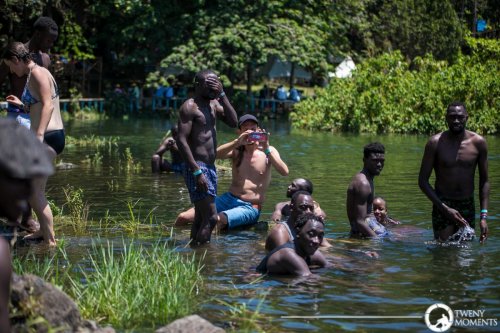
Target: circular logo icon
444,317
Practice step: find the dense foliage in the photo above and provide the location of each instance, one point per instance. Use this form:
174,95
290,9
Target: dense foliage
389,94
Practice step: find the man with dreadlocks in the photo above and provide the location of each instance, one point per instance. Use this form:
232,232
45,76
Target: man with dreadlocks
252,159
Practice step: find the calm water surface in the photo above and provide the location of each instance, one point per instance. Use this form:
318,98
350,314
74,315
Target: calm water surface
408,277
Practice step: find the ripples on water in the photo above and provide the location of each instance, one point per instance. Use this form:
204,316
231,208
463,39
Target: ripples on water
410,274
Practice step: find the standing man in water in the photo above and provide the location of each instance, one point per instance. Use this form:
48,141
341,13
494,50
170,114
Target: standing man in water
197,144
361,191
454,155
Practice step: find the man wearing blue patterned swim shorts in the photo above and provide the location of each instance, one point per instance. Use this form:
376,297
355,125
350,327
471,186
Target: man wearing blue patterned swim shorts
197,144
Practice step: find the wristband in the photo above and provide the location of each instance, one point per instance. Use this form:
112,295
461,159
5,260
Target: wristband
267,151
484,211
197,172
222,94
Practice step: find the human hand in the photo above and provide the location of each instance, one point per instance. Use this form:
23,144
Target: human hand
484,231
201,183
14,100
214,84
264,144
455,217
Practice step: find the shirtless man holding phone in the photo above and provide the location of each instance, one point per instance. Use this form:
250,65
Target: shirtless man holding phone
252,159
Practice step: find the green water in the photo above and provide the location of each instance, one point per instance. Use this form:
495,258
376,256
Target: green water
405,280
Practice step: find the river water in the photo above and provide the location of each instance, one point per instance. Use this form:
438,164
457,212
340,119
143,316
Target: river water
410,274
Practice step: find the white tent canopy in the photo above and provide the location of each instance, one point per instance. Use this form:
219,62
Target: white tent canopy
344,69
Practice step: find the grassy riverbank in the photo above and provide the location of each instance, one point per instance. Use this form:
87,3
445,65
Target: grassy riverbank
128,286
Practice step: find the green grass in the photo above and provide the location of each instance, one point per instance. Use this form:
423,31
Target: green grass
137,286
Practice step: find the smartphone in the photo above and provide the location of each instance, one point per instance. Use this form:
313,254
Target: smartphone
258,136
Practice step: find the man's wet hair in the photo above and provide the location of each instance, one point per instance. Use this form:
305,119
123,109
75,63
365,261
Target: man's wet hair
201,75
455,104
307,185
302,219
373,148
45,23
297,194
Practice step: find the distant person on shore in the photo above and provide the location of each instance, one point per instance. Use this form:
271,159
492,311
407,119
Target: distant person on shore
158,163
40,99
44,35
19,166
381,214
294,94
454,156
252,160
361,191
282,209
296,257
197,143
280,93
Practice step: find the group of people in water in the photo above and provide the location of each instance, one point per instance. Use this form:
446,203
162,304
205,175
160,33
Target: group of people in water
293,243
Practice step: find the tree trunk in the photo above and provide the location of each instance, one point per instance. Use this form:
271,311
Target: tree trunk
292,73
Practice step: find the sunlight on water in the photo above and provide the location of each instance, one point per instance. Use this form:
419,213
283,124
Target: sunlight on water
411,272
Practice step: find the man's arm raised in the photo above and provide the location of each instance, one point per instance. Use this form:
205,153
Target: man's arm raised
225,151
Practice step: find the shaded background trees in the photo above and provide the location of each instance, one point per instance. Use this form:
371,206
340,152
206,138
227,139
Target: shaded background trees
134,38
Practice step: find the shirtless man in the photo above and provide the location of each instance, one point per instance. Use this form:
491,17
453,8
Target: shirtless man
158,163
197,144
361,191
252,162
454,155
44,35
282,209
284,232
295,257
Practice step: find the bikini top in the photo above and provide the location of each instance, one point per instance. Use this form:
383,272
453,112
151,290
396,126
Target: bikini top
28,99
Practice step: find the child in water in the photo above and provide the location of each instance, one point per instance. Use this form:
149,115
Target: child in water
380,212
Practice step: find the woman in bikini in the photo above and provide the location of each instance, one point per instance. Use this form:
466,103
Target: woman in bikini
40,99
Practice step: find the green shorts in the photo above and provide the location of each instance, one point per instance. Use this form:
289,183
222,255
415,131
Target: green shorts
465,207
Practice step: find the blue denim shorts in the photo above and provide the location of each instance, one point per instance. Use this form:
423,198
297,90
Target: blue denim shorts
239,213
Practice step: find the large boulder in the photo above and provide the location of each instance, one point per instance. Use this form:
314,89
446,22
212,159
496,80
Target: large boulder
189,324
38,306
